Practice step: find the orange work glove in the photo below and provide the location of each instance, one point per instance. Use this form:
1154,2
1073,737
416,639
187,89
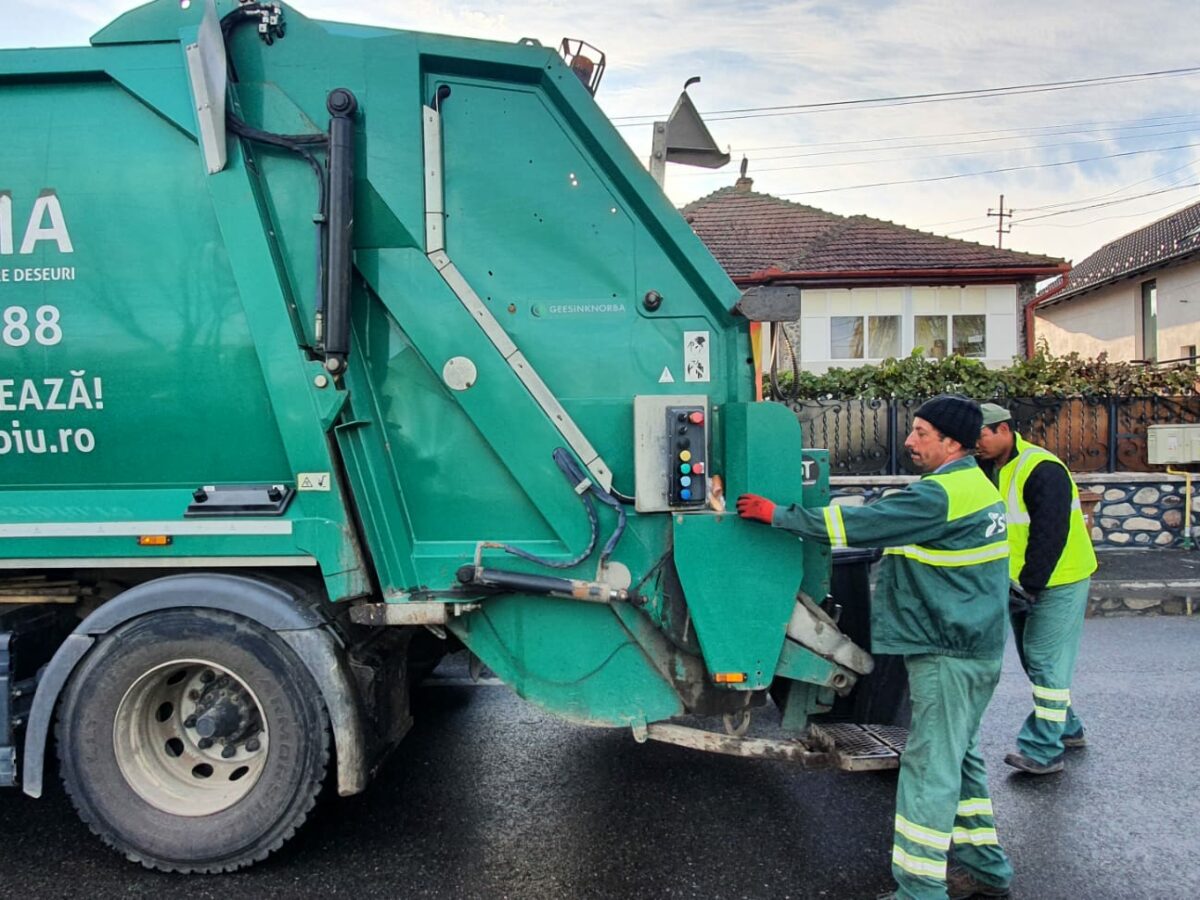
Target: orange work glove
752,506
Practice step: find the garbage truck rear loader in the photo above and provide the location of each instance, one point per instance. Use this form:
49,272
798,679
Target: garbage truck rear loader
329,348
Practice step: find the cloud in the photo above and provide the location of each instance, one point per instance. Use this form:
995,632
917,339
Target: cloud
763,54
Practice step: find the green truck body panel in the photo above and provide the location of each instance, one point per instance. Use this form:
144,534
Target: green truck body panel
159,337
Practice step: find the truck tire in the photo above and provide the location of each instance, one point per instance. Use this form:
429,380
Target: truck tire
145,730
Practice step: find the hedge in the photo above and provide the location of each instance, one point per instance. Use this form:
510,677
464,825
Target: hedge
1043,375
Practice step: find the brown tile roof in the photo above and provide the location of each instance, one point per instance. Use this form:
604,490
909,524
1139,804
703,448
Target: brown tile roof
749,233
1171,238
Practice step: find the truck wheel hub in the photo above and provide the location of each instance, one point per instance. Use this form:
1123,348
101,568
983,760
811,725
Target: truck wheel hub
189,737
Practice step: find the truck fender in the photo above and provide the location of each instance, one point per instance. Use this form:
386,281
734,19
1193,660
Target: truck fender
271,605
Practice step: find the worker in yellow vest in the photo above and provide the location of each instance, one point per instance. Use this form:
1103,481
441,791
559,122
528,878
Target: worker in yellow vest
1051,562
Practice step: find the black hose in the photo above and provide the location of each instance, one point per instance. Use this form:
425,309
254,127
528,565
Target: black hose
299,144
624,498
575,474
609,500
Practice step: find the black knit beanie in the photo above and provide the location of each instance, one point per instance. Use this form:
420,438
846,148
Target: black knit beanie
955,416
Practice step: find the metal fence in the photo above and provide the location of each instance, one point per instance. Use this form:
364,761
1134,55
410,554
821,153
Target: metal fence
1089,434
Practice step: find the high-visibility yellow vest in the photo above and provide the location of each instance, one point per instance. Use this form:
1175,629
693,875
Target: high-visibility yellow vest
1078,559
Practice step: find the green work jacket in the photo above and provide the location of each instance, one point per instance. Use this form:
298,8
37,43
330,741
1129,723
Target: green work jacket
943,582
1078,558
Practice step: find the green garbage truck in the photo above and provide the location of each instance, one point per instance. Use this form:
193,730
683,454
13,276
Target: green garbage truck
330,349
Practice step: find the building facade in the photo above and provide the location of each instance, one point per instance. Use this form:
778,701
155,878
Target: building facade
870,289
1136,298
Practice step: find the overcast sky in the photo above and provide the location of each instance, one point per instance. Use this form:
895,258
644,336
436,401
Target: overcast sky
1065,149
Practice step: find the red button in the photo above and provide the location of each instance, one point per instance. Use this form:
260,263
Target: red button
696,418
698,468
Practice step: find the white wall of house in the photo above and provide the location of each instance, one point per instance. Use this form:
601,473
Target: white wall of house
847,327
1101,322
1110,319
1178,311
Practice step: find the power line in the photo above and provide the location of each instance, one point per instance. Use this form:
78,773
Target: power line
1106,203
1065,212
1001,171
1013,93
721,115
1107,194
990,140
899,159
1077,201
1012,132
1148,212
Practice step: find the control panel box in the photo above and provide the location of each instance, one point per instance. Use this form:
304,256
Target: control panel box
671,452
1170,444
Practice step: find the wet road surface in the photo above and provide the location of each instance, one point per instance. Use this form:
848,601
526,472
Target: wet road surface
489,798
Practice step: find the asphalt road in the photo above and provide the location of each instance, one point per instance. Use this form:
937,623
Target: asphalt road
488,798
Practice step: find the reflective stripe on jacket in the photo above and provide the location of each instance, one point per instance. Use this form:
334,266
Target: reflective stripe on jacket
943,582
1078,558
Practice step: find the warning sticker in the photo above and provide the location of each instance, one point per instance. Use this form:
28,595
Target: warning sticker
312,481
666,377
695,356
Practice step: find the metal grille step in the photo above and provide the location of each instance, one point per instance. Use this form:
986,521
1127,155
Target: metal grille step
860,748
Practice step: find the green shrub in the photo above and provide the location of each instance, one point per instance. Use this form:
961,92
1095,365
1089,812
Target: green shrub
1043,375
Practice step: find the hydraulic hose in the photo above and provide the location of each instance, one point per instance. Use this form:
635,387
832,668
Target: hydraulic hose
331,320
575,474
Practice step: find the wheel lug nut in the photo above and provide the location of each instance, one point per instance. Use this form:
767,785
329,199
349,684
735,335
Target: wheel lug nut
229,752
205,743
193,694
207,676
252,744
189,722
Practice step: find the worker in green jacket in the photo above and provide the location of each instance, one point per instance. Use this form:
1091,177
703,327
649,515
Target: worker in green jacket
1051,565
940,603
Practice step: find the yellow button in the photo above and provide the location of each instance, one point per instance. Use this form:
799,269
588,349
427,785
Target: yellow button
685,455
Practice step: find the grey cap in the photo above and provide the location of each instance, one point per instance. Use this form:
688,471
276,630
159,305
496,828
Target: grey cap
994,413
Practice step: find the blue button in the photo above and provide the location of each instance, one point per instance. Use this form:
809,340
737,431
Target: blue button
685,494
686,481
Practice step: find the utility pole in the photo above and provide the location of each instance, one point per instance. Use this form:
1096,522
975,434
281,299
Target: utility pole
1001,231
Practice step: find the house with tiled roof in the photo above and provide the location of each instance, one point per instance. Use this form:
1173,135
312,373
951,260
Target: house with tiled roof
871,289
1137,297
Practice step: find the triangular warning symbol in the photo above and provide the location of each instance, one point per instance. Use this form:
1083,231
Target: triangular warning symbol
666,377
305,483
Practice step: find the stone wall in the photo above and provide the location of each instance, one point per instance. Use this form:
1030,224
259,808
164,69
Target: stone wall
1139,510
1134,510
1113,607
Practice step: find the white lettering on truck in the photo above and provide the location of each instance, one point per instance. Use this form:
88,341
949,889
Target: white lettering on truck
17,329
45,440
44,227
46,222
52,394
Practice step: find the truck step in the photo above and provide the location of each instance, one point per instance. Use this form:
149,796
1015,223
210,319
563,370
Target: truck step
860,748
845,746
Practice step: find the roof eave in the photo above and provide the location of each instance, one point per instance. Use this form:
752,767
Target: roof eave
1071,294
924,275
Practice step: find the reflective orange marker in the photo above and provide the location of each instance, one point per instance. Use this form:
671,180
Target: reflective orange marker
154,540
729,677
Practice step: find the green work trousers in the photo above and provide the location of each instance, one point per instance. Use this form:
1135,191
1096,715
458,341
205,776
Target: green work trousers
1047,639
942,797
